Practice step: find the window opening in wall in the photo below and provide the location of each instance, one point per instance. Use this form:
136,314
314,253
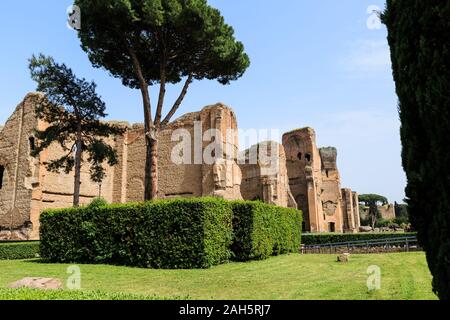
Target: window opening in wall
332,227
308,157
2,172
32,141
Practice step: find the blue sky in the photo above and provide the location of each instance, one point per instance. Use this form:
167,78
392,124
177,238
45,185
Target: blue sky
314,63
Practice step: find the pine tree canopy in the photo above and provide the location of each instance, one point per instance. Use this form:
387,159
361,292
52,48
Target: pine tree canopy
186,37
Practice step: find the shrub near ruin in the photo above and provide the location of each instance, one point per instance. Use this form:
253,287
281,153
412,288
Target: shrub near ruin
19,250
170,234
174,234
261,230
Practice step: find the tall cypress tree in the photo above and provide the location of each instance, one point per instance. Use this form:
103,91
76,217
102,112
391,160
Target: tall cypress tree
419,38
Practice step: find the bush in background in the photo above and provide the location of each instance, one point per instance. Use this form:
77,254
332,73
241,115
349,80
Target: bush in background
19,250
98,203
324,238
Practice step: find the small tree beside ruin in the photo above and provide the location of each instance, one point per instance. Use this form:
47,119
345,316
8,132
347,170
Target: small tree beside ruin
73,111
372,201
150,42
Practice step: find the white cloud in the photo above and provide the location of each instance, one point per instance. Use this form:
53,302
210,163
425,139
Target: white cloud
368,56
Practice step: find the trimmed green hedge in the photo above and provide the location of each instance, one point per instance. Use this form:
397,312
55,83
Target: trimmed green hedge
175,234
324,238
19,250
261,231
70,295
170,234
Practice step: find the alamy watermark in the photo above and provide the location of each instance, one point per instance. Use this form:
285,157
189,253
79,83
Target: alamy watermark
74,280
215,147
374,279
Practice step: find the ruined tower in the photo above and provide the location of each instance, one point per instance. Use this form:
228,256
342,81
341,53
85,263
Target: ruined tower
315,182
304,171
331,197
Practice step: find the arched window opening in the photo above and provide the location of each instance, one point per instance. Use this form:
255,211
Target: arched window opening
299,156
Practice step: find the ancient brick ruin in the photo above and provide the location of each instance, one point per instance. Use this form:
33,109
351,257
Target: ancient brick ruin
305,176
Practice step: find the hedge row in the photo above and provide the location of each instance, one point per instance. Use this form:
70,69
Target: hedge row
19,250
169,234
261,231
324,238
164,234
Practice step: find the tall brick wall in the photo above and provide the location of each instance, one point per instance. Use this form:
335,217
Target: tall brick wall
315,182
28,187
331,190
265,177
304,176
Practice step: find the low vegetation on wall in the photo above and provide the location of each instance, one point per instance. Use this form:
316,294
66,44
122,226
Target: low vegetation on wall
19,250
324,238
169,234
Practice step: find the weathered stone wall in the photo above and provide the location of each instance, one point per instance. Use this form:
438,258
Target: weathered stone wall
387,212
356,211
182,174
223,177
28,187
16,163
190,165
315,184
331,196
264,175
305,176
350,213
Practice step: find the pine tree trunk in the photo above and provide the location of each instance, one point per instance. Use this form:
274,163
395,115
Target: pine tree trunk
151,134
77,180
151,169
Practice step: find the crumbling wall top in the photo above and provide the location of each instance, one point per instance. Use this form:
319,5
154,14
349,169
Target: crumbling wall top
329,158
307,131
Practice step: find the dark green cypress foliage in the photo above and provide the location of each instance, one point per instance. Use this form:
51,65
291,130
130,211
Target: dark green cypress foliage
419,38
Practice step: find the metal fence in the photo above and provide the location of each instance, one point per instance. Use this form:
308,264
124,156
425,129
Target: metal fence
400,244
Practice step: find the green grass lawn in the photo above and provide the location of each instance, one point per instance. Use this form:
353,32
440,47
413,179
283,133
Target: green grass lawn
404,276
